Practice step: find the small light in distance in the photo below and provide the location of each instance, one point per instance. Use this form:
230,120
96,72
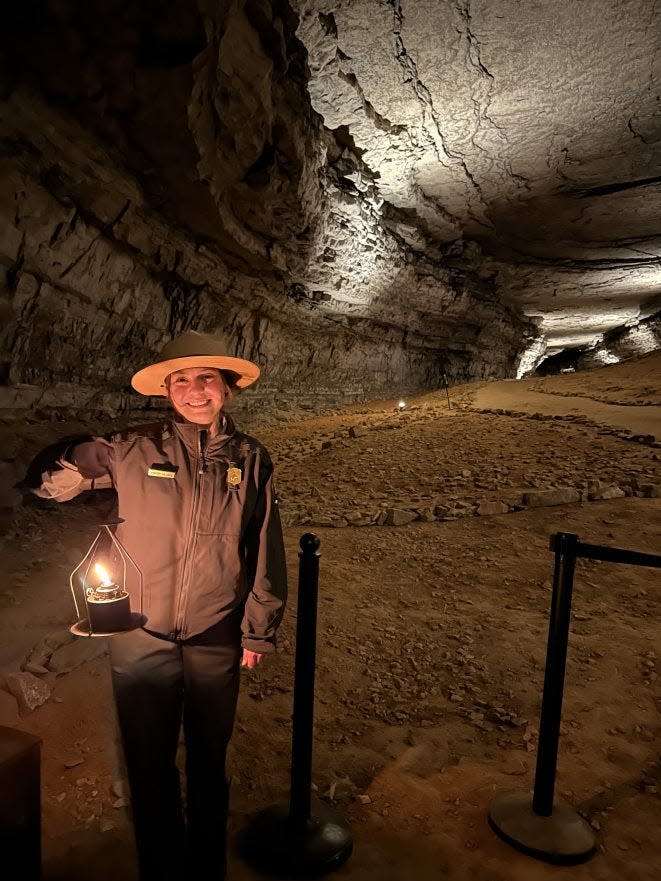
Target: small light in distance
401,405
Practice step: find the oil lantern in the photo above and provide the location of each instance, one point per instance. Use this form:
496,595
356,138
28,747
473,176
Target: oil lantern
102,585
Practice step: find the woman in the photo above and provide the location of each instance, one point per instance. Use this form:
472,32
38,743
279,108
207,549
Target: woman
200,519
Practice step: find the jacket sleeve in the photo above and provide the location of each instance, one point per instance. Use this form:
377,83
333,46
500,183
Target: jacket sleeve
265,566
52,476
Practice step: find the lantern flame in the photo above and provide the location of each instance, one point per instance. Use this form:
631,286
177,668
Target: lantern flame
102,572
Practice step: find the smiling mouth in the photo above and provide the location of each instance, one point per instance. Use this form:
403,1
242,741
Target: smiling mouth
197,406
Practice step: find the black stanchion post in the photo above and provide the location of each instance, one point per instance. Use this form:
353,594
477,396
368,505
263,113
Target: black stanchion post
306,651
564,544
303,838
560,835
555,832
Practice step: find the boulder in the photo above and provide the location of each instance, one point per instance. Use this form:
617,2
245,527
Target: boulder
607,492
598,489
399,517
441,511
353,516
494,507
29,691
541,498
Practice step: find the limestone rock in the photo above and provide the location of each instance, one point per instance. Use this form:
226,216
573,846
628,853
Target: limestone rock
41,652
462,509
36,669
399,517
606,492
491,507
547,497
76,653
353,517
363,520
441,511
29,691
426,515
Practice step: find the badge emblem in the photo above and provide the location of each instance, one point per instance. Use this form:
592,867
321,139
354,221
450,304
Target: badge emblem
233,477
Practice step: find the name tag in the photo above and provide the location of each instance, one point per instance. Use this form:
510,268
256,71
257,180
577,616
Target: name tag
162,469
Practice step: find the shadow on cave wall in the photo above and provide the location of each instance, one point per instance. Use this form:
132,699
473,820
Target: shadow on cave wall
126,72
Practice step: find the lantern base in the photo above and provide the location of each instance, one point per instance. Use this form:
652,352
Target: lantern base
83,628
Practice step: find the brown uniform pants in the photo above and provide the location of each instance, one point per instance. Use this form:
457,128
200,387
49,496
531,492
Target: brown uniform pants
157,684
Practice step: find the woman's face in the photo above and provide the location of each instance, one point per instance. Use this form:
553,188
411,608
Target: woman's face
197,393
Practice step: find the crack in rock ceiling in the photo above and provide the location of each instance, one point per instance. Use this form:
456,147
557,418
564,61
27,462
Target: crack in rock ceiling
532,129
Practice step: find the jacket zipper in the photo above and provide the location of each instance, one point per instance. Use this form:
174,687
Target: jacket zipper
185,578
201,446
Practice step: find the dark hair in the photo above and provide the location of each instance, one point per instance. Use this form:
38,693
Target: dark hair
230,378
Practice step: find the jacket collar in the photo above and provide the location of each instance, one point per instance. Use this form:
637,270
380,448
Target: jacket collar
189,432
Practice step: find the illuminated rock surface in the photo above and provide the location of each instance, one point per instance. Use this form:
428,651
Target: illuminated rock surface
361,196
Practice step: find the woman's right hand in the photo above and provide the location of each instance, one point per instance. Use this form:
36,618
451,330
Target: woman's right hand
91,457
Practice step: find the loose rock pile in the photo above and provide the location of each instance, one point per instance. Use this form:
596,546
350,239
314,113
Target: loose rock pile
371,458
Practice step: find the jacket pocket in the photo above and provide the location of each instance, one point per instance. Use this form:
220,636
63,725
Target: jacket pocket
217,576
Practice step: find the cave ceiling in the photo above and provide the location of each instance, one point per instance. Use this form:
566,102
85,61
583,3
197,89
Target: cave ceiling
478,179
532,129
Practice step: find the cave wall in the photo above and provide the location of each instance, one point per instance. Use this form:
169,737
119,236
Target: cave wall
641,338
95,281
159,180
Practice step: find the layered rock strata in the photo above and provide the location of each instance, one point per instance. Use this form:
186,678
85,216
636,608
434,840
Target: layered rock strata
242,216
530,129
360,196
95,281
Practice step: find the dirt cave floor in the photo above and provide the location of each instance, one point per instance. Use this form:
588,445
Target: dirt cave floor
431,635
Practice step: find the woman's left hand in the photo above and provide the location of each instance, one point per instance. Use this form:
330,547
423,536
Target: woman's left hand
251,659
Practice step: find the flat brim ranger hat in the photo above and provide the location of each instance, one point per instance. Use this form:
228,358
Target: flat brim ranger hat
193,349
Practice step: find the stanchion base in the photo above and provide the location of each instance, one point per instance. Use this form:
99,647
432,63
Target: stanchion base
564,838
278,847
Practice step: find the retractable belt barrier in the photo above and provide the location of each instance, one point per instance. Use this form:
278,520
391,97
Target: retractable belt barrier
557,835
